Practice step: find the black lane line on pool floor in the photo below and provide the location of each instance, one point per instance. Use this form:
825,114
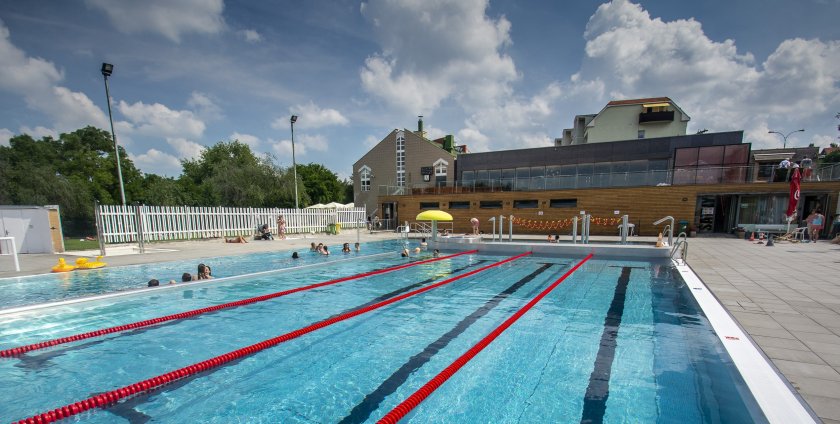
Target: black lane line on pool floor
128,408
595,400
361,412
38,359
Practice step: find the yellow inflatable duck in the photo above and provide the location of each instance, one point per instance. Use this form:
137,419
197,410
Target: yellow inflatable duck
83,263
63,266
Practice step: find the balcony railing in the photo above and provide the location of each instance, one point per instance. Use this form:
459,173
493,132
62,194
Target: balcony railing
656,116
678,176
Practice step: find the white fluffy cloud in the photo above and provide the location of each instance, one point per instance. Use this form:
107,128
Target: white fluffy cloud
36,80
311,115
5,135
158,120
306,144
252,141
632,55
433,51
204,106
156,162
170,18
250,35
186,149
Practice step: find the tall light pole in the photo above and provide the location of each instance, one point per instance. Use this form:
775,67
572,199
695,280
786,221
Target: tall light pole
784,137
294,164
107,69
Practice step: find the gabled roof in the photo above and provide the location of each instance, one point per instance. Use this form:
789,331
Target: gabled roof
630,102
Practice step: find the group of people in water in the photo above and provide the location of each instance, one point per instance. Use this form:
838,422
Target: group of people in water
203,272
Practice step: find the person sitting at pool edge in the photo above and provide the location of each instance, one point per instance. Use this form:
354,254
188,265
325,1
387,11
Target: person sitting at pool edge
154,282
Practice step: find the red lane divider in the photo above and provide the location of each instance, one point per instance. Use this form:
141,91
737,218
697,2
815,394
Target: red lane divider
113,396
16,351
421,394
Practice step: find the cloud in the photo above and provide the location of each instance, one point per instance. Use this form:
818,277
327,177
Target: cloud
250,35
629,54
371,141
170,18
303,145
156,162
252,141
36,80
186,149
5,136
204,106
434,51
39,132
158,120
311,116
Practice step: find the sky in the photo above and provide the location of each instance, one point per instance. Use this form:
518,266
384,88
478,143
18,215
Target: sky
497,75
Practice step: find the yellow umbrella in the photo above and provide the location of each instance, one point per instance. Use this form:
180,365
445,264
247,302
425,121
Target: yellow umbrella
434,216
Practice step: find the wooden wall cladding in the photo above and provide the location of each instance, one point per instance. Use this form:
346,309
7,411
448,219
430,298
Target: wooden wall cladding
644,205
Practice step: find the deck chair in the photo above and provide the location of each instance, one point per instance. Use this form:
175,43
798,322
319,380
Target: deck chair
794,236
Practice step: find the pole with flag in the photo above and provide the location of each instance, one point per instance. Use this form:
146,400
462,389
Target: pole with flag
794,196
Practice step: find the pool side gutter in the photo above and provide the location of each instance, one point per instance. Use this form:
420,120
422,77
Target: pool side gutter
777,399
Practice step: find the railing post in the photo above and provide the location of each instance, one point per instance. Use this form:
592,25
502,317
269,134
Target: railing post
624,229
100,236
574,229
510,228
501,226
493,220
138,219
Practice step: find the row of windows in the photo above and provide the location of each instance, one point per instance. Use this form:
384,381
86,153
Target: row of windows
497,204
566,170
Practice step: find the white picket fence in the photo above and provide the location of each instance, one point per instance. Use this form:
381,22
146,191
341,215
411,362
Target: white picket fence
119,224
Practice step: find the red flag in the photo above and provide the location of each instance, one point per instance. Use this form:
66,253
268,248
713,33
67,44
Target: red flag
794,192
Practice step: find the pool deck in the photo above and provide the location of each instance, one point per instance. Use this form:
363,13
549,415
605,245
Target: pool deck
786,297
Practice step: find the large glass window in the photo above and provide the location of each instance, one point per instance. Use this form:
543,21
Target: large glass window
364,178
710,155
429,205
490,204
459,205
526,204
764,209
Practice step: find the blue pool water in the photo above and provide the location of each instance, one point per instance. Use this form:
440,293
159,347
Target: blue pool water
618,341
21,291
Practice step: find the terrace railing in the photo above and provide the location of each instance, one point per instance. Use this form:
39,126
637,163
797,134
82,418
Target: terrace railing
676,176
126,224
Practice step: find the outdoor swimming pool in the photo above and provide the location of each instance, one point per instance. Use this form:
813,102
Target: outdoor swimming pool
618,340
31,290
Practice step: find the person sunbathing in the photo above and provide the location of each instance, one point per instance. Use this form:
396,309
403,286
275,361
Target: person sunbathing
237,239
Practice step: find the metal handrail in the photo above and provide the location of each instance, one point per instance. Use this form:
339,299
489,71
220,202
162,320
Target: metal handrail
669,228
682,241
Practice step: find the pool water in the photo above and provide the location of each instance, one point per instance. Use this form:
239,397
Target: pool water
31,290
617,341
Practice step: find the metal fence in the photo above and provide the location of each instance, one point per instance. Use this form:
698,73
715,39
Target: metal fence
124,224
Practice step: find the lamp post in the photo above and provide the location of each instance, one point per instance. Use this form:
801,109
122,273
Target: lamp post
107,69
294,164
784,137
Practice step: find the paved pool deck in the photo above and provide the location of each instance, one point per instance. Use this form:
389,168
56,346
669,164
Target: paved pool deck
786,297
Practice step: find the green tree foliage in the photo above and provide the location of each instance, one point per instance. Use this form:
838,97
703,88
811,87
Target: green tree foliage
833,157
71,171
323,185
230,174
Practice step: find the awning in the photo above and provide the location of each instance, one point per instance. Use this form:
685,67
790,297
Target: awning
656,105
433,215
765,157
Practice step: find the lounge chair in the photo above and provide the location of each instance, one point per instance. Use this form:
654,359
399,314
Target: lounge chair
794,236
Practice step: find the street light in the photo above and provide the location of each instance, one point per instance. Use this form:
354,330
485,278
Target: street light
107,69
294,164
784,137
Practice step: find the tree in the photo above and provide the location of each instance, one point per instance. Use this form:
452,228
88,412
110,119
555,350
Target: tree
322,185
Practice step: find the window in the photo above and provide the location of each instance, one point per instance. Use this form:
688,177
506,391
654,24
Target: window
563,203
429,205
641,134
401,159
490,204
440,170
526,204
459,205
364,178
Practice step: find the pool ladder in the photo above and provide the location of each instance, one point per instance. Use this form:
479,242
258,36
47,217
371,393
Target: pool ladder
682,246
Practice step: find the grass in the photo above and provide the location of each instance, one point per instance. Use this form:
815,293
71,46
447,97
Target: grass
80,244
